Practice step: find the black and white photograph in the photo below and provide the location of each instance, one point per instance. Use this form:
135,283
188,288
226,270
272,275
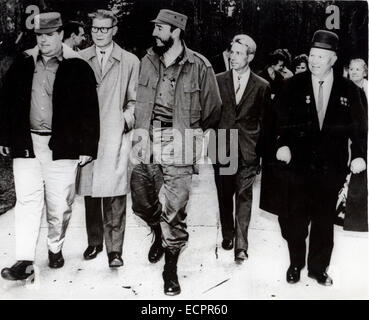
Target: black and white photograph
184,150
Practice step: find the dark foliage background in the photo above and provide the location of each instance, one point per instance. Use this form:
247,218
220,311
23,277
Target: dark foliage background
272,23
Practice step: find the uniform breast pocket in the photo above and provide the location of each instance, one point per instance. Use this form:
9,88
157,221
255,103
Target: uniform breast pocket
192,101
143,89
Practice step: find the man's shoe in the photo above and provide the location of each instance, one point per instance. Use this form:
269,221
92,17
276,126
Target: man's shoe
21,270
227,244
56,260
115,260
322,277
293,274
156,251
240,256
92,251
170,277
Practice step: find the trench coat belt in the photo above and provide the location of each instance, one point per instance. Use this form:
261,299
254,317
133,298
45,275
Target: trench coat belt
41,133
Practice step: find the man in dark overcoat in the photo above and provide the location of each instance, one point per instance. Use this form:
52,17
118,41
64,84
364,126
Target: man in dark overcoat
324,111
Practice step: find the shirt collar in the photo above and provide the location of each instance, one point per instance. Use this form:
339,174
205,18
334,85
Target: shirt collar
188,55
243,77
58,56
107,50
327,79
181,58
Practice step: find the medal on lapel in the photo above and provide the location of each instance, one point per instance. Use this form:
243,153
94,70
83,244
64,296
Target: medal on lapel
344,101
308,100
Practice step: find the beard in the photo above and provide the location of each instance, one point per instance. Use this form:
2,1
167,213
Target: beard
160,50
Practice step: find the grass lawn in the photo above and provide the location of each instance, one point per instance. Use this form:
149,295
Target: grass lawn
7,193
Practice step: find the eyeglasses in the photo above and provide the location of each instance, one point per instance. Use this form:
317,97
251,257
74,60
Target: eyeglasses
102,29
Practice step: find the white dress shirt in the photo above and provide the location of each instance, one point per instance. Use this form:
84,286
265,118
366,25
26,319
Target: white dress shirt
104,57
327,88
243,79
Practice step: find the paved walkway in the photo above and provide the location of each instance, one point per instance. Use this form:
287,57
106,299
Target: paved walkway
206,271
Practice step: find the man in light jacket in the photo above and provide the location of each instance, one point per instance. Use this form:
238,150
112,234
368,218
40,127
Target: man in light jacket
104,182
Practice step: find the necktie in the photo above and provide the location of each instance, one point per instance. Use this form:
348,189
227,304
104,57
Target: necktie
102,60
320,107
238,90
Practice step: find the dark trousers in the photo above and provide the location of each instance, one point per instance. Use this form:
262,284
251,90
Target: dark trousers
106,218
239,184
146,182
313,198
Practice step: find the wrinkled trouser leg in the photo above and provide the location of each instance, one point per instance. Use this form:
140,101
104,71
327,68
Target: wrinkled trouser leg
295,224
60,178
37,181
225,189
295,230
29,189
94,221
245,178
114,222
146,182
324,198
177,184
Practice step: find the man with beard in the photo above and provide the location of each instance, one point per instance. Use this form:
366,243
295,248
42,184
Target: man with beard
177,93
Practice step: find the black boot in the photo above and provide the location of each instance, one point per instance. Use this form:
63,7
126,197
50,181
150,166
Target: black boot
156,251
171,284
56,260
21,270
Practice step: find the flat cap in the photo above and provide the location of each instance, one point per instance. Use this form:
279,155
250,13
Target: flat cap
47,22
324,39
172,18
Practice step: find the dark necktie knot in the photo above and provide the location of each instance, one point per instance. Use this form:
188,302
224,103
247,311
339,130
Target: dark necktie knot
102,52
321,83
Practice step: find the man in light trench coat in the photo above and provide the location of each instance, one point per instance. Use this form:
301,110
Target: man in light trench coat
104,182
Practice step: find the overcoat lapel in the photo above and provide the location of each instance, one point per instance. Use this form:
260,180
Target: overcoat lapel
114,56
310,100
96,68
331,103
230,86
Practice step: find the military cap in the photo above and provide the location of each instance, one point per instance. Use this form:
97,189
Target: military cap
172,18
